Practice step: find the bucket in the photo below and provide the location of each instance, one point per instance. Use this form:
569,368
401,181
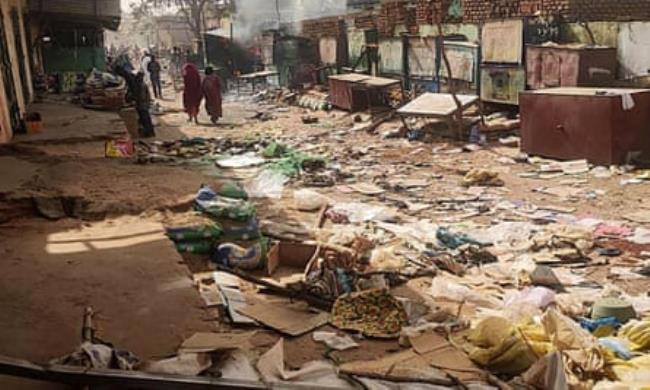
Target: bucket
33,122
34,126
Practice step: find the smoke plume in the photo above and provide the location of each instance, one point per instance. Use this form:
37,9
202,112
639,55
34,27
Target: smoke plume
255,16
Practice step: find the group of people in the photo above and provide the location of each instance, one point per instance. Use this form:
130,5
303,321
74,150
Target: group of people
195,90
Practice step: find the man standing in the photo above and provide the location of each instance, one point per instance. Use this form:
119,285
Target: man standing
137,93
142,99
154,70
144,66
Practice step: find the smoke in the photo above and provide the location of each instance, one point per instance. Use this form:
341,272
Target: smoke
255,16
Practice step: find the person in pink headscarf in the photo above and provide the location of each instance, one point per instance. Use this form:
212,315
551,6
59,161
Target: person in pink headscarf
192,93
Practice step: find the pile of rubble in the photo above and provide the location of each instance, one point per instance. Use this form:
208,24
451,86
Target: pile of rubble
462,289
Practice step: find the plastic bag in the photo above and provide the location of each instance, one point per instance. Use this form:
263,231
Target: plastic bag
385,259
539,297
446,288
360,212
267,184
493,344
309,200
240,161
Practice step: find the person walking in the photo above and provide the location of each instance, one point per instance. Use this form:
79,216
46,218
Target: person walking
155,69
212,91
192,94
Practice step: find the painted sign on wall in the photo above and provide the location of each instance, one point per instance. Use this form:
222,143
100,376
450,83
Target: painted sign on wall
463,60
356,43
327,49
390,55
502,84
503,42
634,49
422,57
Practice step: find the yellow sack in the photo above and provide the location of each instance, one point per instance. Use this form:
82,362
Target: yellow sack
637,333
583,353
536,338
635,370
494,345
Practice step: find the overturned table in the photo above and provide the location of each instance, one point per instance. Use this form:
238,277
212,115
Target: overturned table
436,105
253,78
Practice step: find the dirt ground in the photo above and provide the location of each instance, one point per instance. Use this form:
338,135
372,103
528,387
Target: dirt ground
114,256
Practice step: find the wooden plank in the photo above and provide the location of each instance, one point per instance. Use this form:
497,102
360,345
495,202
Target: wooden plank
435,104
350,77
380,82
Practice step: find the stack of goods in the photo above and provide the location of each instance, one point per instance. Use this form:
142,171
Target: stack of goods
232,238
104,91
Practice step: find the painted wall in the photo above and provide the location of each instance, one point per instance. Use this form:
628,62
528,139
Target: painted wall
634,49
17,66
390,55
605,33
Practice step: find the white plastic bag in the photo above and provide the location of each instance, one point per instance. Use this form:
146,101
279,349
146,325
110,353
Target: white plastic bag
309,200
267,184
362,212
446,288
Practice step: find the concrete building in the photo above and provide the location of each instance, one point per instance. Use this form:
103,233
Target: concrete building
15,66
53,36
69,34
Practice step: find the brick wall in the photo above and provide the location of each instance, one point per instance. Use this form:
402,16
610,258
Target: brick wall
476,11
392,13
604,10
324,27
365,21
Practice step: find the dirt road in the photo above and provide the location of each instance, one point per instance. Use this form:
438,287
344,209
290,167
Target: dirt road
111,253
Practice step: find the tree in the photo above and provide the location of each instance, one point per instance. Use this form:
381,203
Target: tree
194,12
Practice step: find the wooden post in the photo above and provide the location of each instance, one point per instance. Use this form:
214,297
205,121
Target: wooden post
452,88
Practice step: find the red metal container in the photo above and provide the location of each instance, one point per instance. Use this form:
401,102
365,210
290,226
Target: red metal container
585,123
346,94
550,66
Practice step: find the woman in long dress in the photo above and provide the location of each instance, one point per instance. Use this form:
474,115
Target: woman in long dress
192,94
212,92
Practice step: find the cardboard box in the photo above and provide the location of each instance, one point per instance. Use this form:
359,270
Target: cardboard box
287,254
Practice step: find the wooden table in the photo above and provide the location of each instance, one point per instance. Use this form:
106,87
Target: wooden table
435,105
254,77
345,88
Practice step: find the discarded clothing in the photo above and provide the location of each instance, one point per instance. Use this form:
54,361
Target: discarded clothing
375,313
235,256
593,325
454,240
335,341
96,355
